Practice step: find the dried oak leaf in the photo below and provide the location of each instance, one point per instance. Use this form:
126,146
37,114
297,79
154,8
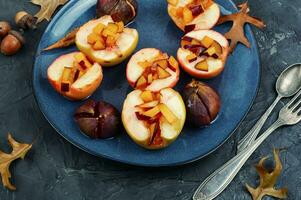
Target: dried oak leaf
19,150
67,41
47,8
268,180
236,33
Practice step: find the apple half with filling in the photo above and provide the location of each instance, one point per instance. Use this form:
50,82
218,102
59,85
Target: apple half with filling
74,76
151,69
105,41
191,15
203,53
154,119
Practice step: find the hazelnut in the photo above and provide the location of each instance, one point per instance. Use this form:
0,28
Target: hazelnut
25,20
4,28
12,43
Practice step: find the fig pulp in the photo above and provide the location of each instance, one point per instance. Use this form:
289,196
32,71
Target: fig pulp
120,10
98,119
202,103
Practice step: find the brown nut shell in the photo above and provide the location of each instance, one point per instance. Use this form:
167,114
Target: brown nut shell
4,28
10,45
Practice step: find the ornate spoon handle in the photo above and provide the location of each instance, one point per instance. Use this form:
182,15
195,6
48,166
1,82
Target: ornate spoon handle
222,177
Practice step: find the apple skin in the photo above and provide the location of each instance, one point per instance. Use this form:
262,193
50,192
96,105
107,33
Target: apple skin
204,21
133,126
156,85
189,67
76,92
127,43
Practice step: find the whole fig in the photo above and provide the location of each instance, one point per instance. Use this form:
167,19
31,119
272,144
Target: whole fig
120,10
202,103
98,119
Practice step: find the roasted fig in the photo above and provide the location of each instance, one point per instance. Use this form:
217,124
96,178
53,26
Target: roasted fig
202,103
98,119
120,10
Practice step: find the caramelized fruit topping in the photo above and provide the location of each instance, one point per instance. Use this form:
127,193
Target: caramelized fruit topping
103,36
72,73
152,112
190,11
156,69
205,48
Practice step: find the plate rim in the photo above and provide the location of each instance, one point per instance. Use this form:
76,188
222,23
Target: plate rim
174,164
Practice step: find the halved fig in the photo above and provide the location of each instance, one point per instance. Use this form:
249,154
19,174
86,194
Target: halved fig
105,41
73,76
150,69
191,15
212,54
158,126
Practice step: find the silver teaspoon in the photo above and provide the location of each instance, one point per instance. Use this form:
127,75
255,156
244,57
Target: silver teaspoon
288,84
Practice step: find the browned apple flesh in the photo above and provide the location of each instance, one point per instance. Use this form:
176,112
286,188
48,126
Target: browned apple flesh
202,65
156,69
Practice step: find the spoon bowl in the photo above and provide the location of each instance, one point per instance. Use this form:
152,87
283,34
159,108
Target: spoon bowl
289,81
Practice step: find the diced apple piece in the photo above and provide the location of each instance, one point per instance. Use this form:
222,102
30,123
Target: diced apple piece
163,63
191,57
202,65
147,96
66,74
210,51
112,27
179,12
79,57
173,2
110,41
187,15
149,78
173,63
92,38
120,26
218,48
195,42
148,104
152,112
99,28
142,82
207,41
162,73
206,4
99,46
145,64
167,113
106,32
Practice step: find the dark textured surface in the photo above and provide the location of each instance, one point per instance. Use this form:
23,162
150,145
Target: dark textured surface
55,169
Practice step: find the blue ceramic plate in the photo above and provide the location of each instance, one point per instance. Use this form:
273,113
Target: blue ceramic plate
237,86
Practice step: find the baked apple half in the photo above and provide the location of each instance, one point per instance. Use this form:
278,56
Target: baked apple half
105,41
151,69
153,119
74,76
203,53
191,15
